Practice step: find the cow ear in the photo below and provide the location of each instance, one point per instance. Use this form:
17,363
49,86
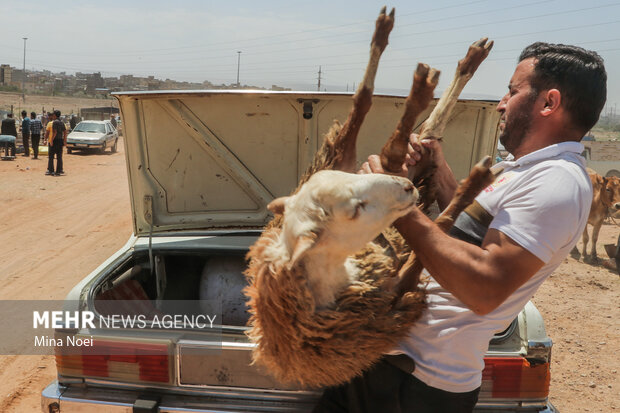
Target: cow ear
278,205
303,243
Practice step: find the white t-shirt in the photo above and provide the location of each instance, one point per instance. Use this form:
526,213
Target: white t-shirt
541,202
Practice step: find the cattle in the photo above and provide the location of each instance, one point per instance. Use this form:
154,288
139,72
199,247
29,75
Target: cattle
605,203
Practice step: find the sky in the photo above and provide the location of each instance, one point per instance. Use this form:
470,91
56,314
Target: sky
285,43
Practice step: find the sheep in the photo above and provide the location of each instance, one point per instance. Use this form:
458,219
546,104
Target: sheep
329,291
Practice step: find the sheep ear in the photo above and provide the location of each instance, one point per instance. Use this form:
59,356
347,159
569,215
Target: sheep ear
302,245
277,205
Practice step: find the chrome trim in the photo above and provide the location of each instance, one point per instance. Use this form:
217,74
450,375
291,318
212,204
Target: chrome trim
217,391
92,399
540,349
515,407
89,399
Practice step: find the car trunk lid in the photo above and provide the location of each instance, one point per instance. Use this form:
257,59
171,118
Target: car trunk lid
215,159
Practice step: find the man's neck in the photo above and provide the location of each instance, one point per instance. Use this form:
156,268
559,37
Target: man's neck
546,135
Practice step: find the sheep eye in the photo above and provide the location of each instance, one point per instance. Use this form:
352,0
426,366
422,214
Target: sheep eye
358,207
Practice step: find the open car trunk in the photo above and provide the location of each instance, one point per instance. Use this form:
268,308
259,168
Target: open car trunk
204,160
202,167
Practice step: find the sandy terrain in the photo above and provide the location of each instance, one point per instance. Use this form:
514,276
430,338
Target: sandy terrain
36,103
55,230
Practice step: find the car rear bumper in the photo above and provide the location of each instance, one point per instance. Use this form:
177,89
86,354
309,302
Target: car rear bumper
72,145
59,398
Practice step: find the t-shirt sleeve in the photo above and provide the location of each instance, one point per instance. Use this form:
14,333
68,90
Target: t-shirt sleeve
542,214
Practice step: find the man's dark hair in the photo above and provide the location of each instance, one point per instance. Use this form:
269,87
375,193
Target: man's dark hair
9,115
577,73
24,113
33,115
57,113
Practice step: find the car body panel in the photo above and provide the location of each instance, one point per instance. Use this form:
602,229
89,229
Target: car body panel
200,160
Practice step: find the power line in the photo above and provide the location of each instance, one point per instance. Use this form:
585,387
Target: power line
192,49
261,39
333,66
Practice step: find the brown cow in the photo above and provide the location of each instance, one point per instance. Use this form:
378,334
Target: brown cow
605,202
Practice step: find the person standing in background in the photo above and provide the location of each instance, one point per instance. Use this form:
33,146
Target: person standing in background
8,128
35,134
57,138
26,133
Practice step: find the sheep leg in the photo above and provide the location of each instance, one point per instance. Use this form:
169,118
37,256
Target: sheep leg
345,142
479,178
394,151
435,125
338,151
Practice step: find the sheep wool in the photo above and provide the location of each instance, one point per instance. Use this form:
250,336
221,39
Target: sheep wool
316,348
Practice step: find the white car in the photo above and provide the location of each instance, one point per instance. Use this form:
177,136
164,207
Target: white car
202,167
93,134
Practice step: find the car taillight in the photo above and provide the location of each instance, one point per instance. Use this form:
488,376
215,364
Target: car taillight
515,377
120,360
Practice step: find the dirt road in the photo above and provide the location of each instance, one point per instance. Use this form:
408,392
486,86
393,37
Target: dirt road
55,230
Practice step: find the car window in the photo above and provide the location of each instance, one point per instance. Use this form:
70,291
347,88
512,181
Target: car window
107,128
90,127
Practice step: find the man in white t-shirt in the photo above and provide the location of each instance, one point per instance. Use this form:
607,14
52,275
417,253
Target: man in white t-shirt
499,252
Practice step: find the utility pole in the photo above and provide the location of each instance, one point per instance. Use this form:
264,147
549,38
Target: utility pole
24,71
238,62
318,87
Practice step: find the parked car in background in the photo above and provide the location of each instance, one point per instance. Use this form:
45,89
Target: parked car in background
93,134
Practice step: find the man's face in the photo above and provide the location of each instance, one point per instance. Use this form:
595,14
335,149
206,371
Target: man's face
517,107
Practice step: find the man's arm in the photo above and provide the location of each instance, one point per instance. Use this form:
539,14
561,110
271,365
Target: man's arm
481,277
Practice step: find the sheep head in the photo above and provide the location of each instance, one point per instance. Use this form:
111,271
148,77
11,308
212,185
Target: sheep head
337,213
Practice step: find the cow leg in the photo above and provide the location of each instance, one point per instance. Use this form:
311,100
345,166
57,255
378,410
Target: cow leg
585,239
575,253
595,230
